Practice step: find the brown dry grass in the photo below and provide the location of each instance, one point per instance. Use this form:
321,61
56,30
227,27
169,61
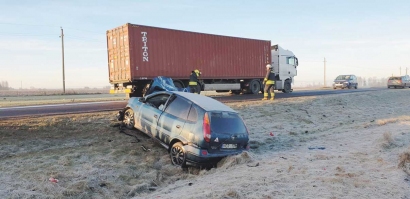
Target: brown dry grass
88,156
404,161
388,140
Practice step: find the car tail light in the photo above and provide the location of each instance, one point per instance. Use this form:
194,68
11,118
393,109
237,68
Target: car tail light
204,152
206,128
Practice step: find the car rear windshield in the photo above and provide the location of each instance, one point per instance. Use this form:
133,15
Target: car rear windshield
395,78
226,123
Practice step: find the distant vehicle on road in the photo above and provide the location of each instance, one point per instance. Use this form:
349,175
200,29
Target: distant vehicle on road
398,82
345,81
196,130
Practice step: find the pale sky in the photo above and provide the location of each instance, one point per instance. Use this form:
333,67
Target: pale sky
369,38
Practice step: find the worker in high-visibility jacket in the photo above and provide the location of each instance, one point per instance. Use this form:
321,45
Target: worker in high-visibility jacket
269,82
193,81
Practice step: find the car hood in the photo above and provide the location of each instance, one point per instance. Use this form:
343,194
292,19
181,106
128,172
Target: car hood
162,83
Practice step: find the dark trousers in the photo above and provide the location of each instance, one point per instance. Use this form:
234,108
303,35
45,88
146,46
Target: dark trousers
192,88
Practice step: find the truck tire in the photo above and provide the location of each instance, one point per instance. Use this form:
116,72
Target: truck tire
178,84
287,87
254,86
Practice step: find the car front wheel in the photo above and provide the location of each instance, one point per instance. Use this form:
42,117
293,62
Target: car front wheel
178,154
129,120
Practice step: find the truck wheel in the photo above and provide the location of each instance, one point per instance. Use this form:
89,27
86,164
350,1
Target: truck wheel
287,87
254,87
178,84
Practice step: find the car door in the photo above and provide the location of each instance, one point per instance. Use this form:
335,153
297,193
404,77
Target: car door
172,120
150,113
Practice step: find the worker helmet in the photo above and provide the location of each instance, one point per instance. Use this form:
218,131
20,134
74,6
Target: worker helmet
268,66
197,71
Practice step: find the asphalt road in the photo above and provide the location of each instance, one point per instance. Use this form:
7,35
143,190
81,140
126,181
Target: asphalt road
70,108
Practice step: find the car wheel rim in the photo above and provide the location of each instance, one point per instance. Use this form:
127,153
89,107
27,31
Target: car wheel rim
129,119
177,155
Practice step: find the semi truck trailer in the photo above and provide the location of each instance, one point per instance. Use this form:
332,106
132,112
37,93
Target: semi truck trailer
138,53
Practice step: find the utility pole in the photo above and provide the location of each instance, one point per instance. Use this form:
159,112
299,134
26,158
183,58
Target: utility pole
406,70
62,50
400,70
324,72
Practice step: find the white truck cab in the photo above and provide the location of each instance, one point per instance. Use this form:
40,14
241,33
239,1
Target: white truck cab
284,64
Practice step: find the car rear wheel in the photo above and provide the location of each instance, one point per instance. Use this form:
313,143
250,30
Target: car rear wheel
178,155
129,120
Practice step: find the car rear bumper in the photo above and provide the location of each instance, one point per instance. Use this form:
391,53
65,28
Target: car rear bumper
392,85
196,157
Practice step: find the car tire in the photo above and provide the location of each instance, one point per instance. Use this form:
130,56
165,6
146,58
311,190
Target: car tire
178,154
129,119
355,87
334,87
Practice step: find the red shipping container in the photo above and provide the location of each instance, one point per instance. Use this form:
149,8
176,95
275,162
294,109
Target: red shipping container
137,52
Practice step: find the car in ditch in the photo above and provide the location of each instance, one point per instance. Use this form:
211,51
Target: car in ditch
345,81
195,129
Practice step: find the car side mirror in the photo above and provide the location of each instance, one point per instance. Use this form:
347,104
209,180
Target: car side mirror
142,99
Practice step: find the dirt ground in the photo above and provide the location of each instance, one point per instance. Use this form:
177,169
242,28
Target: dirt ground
341,146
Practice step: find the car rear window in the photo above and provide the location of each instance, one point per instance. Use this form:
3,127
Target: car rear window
395,78
226,123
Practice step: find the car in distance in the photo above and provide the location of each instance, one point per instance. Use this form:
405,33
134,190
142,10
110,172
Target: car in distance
195,129
398,82
345,81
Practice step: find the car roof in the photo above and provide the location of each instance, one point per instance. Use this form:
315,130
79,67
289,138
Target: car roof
206,103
